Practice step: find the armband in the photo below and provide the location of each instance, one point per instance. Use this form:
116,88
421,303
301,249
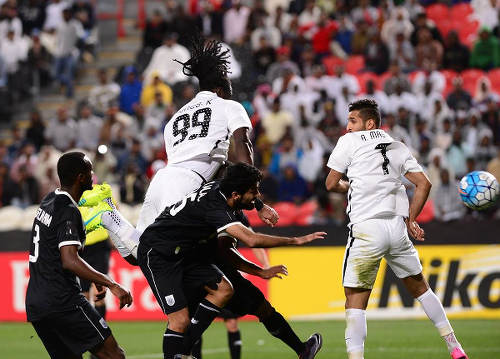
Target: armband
258,204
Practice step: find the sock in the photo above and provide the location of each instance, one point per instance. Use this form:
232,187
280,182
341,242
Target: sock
234,341
196,350
435,311
355,333
101,309
201,320
279,328
172,343
123,234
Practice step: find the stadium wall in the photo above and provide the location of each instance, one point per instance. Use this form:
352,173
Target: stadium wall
461,262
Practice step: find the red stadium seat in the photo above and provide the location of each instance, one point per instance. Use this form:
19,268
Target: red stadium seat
461,11
437,12
381,79
331,62
412,75
363,78
305,213
427,213
470,78
467,32
494,76
449,75
445,26
287,212
354,64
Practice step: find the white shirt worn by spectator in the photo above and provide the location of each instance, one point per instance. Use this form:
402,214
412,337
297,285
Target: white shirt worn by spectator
14,24
307,17
61,134
448,205
311,162
271,33
101,95
12,52
436,78
376,189
334,84
235,24
67,35
405,99
394,26
163,62
89,130
296,81
54,15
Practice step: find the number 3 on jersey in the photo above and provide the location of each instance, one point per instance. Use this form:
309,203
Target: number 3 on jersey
183,120
36,239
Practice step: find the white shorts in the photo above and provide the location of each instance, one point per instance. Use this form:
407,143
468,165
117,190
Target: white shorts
169,185
372,240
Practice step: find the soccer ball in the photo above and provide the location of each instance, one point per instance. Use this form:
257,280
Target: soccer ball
479,190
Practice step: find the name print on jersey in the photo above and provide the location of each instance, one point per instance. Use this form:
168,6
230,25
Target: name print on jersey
43,217
374,135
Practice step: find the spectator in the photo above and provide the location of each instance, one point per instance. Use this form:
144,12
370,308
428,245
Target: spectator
485,151
444,135
88,127
46,171
286,154
27,159
40,63
210,20
288,82
422,22
10,22
263,56
235,22
396,131
35,131
155,31
132,157
32,14
448,206
8,188
310,15
283,61
163,61
376,55
360,38
25,191
12,52
265,29
402,52
334,85
343,38
277,122
281,19
156,86
364,11
398,23
152,141
493,166
459,98
430,74
322,35
104,164
61,131
68,34
484,93
457,155
269,187
104,93
132,185
17,141
182,24
130,92
456,54
486,51
379,96
492,120
292,187
397,79
428,49
54,14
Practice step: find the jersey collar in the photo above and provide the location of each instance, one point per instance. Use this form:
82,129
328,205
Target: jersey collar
58,191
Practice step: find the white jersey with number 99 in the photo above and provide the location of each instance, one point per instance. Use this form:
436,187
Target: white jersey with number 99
374,163
203,127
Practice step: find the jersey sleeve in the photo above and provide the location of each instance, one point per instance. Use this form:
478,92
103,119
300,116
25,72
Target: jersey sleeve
68,233
410,164
340,158
237,117
222,219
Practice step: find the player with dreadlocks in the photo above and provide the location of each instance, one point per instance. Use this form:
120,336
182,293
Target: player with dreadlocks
197,140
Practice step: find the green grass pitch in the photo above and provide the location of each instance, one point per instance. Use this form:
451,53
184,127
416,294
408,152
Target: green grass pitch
388,339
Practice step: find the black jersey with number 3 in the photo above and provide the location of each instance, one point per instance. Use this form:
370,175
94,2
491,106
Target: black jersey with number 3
185,226
51,288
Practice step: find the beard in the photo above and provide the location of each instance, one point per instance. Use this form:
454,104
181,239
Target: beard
247,206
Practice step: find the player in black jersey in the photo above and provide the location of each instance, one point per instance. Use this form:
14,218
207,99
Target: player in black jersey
64,320
178,252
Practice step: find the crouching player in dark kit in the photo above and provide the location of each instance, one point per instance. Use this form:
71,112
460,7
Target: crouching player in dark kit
64,320
177,255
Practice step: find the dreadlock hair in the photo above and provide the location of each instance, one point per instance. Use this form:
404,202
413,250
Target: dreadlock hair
368,109
209,63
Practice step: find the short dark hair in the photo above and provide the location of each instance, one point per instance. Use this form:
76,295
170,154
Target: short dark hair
239,178
69,166
209,62
368,109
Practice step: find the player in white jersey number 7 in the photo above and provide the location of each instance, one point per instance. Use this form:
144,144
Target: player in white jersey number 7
380,219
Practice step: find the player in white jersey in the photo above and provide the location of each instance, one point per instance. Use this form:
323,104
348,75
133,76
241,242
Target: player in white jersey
380,215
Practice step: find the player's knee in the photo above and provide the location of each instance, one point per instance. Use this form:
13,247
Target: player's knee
232,325
264,310
225,290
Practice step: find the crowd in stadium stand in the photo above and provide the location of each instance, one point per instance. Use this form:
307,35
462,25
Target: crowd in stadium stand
432,68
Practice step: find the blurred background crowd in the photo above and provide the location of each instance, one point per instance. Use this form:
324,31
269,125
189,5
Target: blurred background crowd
295,66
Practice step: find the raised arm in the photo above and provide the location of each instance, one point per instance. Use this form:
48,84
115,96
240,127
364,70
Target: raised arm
422,189
241,149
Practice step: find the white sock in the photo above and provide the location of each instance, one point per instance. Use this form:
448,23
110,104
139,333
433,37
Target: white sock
123,234
355,333
435,311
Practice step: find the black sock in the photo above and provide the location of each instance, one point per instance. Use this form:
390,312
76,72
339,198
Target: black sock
172,343
101,309
234,341
196,351
201,320
279,328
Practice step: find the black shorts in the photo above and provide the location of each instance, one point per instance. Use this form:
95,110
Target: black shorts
72,332
97,256
246,299
176,283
